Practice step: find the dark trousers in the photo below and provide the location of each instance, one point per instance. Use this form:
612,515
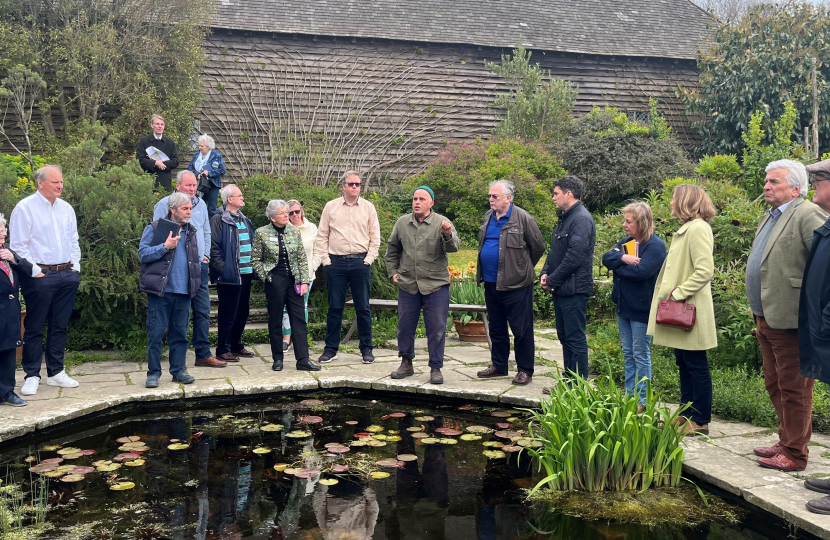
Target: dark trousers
280,294
516,308
436,308
234,307
49,301
210,196
571,314
8,358
201,317
341,274
695,384
168,313
790,393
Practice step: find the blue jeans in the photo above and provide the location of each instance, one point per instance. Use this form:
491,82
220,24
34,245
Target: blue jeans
436,308
637,353
210,196
171,313
201,317
340,275
571,315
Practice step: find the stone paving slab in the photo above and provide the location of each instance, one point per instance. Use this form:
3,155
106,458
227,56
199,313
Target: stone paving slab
725,459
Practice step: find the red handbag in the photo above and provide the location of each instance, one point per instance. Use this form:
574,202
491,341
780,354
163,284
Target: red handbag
676,314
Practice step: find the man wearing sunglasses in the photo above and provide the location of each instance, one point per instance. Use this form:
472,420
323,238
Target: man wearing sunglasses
348,240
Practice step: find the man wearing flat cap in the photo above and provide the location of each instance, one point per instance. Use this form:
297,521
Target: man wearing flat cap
814,311
416,259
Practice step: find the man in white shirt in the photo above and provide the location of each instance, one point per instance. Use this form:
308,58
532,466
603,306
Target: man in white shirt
45,233
200,219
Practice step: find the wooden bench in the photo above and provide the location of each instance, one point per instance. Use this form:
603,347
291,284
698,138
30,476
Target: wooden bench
393,304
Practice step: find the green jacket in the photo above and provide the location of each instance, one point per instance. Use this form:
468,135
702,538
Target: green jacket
265,253
417,253
689,267
784,258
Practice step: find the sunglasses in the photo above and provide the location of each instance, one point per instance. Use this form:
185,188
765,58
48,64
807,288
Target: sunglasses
353,184
295,212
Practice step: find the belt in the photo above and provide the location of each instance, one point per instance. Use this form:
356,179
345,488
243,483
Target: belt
55,267
349,256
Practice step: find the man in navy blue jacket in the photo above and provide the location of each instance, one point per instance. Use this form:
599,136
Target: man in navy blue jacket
567,272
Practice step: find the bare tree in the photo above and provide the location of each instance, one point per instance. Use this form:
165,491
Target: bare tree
728,11
20,91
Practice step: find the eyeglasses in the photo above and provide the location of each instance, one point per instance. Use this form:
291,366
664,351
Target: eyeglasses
240,195
353,184
494,197
281,214
295,212
816,181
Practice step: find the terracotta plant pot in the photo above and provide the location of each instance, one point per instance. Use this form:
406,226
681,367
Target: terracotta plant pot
472,332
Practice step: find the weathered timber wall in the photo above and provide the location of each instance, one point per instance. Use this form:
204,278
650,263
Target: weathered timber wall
323,105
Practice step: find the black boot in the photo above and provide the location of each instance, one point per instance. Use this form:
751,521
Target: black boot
404,370
307,365
277,365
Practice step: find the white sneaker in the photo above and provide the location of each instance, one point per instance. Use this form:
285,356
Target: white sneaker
63,380
30,386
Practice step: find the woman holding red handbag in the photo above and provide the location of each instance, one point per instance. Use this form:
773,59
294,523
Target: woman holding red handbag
686,276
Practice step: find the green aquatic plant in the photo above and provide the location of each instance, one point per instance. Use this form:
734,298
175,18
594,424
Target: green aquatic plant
594,439
23,506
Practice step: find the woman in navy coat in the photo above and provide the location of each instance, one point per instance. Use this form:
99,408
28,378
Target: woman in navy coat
208,166
11,266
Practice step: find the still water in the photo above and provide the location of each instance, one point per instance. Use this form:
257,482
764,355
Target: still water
263,471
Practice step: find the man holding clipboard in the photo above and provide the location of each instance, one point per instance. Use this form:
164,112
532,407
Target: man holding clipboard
171,275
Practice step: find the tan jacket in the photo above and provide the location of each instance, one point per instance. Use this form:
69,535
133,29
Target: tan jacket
785,255
689,267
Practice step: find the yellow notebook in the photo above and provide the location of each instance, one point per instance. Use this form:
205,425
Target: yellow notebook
632,247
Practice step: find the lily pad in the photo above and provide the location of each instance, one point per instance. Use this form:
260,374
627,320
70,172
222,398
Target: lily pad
359,442
109,467
262,450
392,431
362,435
51,448
375,444
73,478
478,429
130,456
390,462
73,455
470,437
500,414
298,434
529,443
393,438
135,463
511,419
424,418
510,448
351,422
65,468
307,473
448,431
407,457
494,454
69,450
420,435
374,429
55,460
311,420
339,449
503,425
54,474
379,437
379,474
82,470
329,481
30,459
271,427
290,470
131,438
397,415
415,429
280,466
122,486
41,468
448,441
430,440
88,452
338,468
466,408
311,402
507,434
493,444
177,446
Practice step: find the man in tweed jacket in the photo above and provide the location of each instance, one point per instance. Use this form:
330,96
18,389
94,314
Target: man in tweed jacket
773,285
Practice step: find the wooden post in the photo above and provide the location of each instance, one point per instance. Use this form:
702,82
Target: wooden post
815,110
807,144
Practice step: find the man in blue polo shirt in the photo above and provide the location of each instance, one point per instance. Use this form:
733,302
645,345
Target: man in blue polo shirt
510,245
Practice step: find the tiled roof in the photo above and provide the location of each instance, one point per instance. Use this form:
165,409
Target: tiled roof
647,28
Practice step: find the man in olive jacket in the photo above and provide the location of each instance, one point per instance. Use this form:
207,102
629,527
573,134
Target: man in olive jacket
567,272
416,260
773,282
510,244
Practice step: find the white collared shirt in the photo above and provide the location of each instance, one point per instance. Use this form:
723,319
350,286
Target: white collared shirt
45,233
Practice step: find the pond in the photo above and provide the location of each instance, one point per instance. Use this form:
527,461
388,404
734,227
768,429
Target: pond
345,466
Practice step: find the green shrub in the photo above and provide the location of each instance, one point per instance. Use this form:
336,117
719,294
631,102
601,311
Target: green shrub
758,155
619,159
461,172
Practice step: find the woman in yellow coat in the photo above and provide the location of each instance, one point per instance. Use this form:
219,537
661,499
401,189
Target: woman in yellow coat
687,275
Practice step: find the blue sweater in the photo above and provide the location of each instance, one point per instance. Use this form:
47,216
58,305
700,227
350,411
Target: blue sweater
634,283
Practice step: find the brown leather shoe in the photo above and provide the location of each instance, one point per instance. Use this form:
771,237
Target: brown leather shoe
779,462
404,370
435,376
211,361
768,451
522,378
244,353
819,506
228,357
490,373
822,485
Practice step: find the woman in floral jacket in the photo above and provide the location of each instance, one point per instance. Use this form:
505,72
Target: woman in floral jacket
279,258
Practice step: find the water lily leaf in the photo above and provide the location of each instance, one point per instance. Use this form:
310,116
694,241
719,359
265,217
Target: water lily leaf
280,466
127,448
510,448
503,425
415,429
135,444
82,470
311,420
51,448
306,473
122,486
130,456
424,418
470,437
397,415
511,419
494,444
374,429
291,470
177,446
311,402
101,462
298,434
420,435
135,463
379,474
407,457
386,417
88,452
362,435
54,460
352,422
329,481
271,427
131,438
41,468
359,442
447,431
70,450
394,438
392,431
65,468
262,450
478,429
30,459
500,414
429,440
494,454
448,441
339,449
73,478
390,462
75,455
380,437
109,468
507,434
529,443
338,468
375,444
466,408
54,474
